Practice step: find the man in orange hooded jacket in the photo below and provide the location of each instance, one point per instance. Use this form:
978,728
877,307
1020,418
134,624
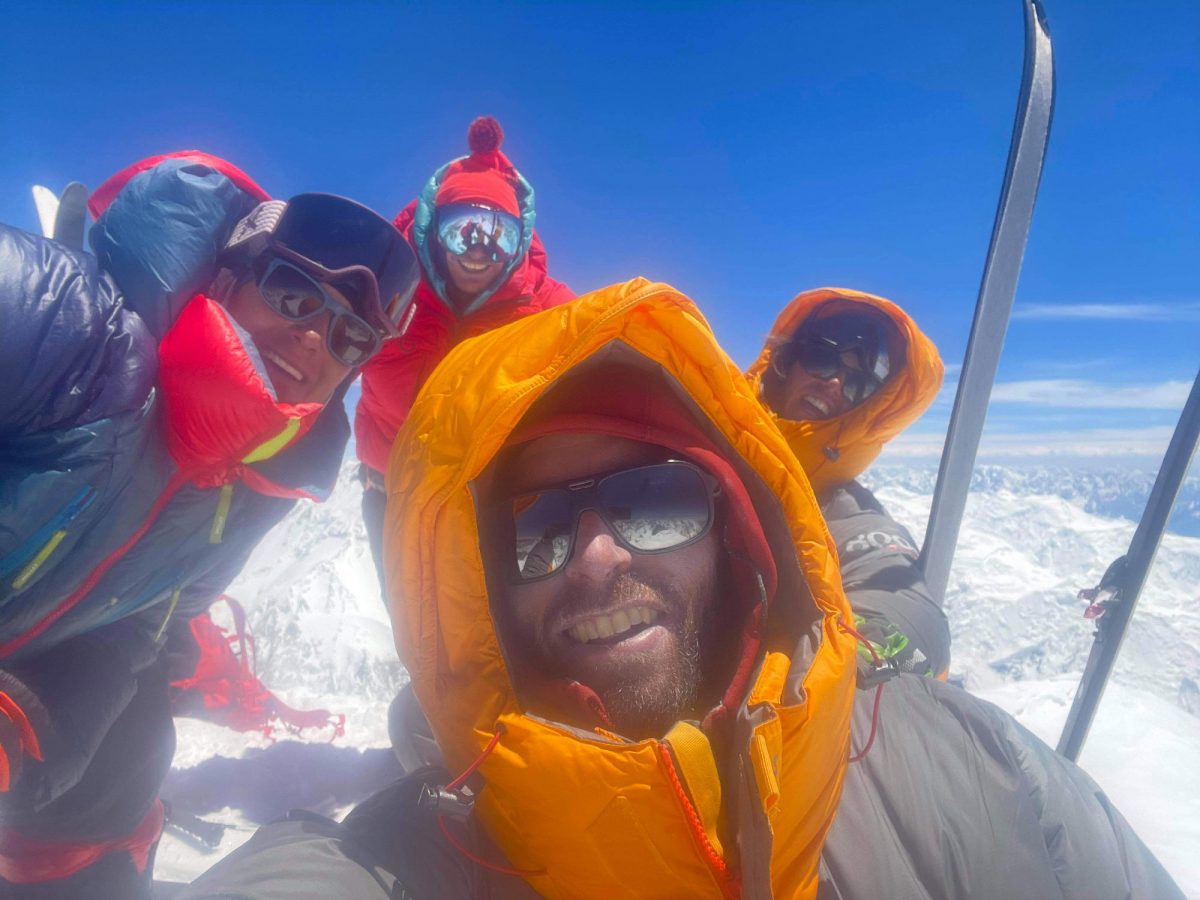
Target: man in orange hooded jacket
482,266
621,611
844,372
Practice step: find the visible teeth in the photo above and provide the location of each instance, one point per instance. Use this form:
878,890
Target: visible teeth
819,404
618,623
473,266
285,365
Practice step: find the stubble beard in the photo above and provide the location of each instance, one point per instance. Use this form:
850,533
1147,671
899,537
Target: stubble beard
640,705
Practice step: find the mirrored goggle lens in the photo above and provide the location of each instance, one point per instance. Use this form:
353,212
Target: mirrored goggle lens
462,227
649,509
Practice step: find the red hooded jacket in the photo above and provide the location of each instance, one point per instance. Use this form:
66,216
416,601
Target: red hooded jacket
392,379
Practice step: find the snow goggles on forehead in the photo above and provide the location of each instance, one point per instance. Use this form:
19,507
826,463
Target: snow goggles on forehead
648,509
296,295
339,242
461,226
852,347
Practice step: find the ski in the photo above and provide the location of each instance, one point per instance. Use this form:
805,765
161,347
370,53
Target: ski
71,217
46,202
62,217
1114,599
1027,152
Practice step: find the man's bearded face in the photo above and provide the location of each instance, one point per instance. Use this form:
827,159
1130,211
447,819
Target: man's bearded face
635,628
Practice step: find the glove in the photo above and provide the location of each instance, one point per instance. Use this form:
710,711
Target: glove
892,647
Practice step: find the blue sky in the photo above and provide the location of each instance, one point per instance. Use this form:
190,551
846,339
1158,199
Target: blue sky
740,152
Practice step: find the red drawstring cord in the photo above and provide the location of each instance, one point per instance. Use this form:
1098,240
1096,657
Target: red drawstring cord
470,770
441,819
878,690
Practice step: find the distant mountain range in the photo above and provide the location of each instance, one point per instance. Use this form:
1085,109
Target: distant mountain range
1104,492
1030,540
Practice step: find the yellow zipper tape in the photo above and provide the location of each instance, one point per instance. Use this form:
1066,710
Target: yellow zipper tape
34,564
222,513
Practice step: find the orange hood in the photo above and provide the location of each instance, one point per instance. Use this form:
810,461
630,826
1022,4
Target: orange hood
588,813
834,451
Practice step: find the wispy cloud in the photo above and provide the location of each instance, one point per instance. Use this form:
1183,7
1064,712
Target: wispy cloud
1149,442
1143,312
1078,394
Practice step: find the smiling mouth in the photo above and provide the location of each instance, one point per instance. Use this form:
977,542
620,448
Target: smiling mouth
284,364
818,404
614,627
473,266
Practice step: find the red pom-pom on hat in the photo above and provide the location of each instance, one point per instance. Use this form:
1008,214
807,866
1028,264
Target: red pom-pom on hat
486,176
485,135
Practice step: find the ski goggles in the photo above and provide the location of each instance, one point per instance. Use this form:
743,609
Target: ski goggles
648,509
849,346
297,296
461,226
337,241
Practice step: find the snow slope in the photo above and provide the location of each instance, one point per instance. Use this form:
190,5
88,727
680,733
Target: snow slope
1029,542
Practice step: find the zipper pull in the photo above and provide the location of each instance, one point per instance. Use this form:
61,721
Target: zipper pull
170,612
222,513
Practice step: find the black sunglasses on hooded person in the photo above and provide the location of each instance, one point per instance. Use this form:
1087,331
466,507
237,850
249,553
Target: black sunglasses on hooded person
648,509
849,346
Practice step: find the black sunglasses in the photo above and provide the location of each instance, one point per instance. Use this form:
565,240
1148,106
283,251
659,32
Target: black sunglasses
296,295
648,509
822,345
824,358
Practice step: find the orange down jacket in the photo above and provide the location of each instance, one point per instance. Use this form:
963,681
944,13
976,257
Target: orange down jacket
834,451
627,818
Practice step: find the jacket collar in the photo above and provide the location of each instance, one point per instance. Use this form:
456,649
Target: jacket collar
222,414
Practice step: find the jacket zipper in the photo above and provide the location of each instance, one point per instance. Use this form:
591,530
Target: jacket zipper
170,612
726,880
57,531
177,481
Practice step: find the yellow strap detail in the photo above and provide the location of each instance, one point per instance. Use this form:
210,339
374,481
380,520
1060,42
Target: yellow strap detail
170,612
267,449
694,759
766,776
222,513
34,564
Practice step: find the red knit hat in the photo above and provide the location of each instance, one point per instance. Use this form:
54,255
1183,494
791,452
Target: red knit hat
486,176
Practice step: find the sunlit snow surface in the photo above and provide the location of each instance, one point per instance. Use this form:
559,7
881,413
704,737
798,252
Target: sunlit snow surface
1019,641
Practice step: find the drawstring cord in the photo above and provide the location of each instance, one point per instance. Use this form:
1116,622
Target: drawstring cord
879,664
446,797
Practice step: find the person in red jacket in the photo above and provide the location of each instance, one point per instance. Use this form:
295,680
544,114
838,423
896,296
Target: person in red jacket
482,266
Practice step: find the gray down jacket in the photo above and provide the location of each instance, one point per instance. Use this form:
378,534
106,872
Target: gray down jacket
953,799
